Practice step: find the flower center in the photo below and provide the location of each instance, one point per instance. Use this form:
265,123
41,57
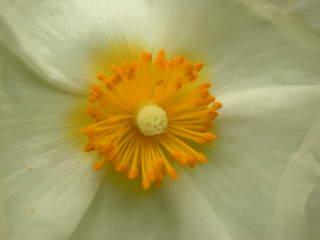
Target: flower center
152,120
145,115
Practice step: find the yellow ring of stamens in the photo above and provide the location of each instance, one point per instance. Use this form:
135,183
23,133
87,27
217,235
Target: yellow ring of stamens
146,113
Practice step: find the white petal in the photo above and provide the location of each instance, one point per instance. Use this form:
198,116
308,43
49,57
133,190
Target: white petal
242,49
313,211
235,44
3,215
49,179
259,131
308,10
60,39
298,19
176,210
296,187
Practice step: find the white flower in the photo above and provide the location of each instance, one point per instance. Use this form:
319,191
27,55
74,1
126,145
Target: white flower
261,180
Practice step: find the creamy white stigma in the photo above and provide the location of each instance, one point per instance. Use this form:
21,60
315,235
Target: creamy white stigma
152,120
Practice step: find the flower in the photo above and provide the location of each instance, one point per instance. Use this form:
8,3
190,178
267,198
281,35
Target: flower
261,178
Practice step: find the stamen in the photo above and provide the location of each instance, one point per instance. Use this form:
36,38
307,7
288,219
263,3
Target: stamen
145,115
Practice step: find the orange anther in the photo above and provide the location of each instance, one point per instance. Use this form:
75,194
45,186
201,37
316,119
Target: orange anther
198,67
88,148
160,82
212,115
193,77
190,158
120,168
99,164
161,54
116,70
191,164
204,92
92,99
151,176
179,60
101,77
176,155
146,57
172,173
205,85
210,99
179,85
145,184
133,173
217,105
210,136
202,158
110,84
189,68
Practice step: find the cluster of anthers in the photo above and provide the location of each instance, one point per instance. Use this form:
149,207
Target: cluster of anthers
145,115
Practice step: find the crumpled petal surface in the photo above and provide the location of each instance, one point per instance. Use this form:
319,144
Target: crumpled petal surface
48,178
295,18
252,170
296,204
58,39
223,34
3,215
176,210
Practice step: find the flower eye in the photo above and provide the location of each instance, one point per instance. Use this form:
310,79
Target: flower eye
147,113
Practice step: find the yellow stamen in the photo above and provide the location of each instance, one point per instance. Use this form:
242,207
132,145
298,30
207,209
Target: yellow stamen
145,114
